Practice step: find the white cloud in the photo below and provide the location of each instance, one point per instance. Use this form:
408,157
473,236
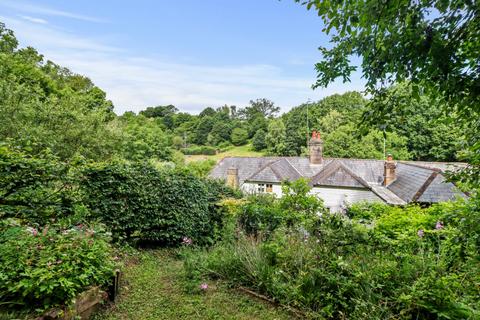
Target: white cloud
135,82
34,20
43,10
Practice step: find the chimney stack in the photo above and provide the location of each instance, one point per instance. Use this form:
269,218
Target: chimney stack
232,177
316,148
389,173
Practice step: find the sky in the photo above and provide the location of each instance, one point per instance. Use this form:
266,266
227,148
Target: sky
190,53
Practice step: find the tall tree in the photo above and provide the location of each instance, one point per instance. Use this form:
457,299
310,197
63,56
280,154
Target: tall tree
435,44
262,107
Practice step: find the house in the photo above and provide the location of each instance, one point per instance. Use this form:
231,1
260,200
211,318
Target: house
340,182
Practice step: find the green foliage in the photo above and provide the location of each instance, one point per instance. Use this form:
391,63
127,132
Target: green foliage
46,106
258,140
239,136
201,168
142,138
48,267
433,44
33,188
260,108
162,206
195,150
385,268
275,138
430,135
263,214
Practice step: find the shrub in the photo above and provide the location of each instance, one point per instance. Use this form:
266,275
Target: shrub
346,269
201,168
156,205
42,268
239,136
34,188
258,140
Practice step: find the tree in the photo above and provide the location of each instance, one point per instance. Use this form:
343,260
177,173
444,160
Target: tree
275,138
263,107
165,113
159,111
207,112
255,124
204,127
430,135
220,133
434,44
239,136
258,141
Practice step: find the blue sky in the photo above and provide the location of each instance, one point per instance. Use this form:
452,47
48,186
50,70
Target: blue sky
189,53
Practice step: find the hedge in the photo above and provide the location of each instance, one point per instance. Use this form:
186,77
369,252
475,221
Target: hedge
164,206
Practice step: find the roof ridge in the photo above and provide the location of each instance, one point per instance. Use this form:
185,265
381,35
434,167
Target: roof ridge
291,165
425,185
422,167
262,168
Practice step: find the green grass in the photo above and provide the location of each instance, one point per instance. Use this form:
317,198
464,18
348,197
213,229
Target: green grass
153,288
240,151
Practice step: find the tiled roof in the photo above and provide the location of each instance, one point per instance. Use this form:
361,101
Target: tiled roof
409,180
415,180
337,174
440,190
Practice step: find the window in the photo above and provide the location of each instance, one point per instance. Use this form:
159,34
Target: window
261,188
269,187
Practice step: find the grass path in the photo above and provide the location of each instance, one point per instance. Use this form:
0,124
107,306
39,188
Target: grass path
153,289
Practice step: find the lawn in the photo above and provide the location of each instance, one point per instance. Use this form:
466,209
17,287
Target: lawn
153,288
240,151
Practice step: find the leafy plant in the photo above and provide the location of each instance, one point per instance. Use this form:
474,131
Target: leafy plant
42,268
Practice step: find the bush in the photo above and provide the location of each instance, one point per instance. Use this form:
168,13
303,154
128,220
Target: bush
263,214
200,150
48,267
258,140
201,168
162,206
34,188
239,136
346,269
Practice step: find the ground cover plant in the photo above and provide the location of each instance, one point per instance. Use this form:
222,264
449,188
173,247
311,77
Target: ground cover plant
384,262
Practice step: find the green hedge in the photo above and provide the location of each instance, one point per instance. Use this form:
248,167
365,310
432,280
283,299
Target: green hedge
200,150
163,206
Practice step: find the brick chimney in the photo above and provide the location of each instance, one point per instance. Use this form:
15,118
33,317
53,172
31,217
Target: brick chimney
232,177
389,172
315,147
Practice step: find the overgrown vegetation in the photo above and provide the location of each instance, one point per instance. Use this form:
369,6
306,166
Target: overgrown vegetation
73,175
383,263
155,289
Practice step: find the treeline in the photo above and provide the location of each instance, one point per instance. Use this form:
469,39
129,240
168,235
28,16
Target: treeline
417,129
45,105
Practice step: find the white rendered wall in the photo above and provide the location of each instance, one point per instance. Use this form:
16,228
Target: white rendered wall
333,198
337,198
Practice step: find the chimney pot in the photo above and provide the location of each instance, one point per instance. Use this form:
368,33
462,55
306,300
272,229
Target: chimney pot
316,148
389,170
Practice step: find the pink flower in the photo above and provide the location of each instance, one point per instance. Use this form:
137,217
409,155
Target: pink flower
420,233
439,225
186,241
204,286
